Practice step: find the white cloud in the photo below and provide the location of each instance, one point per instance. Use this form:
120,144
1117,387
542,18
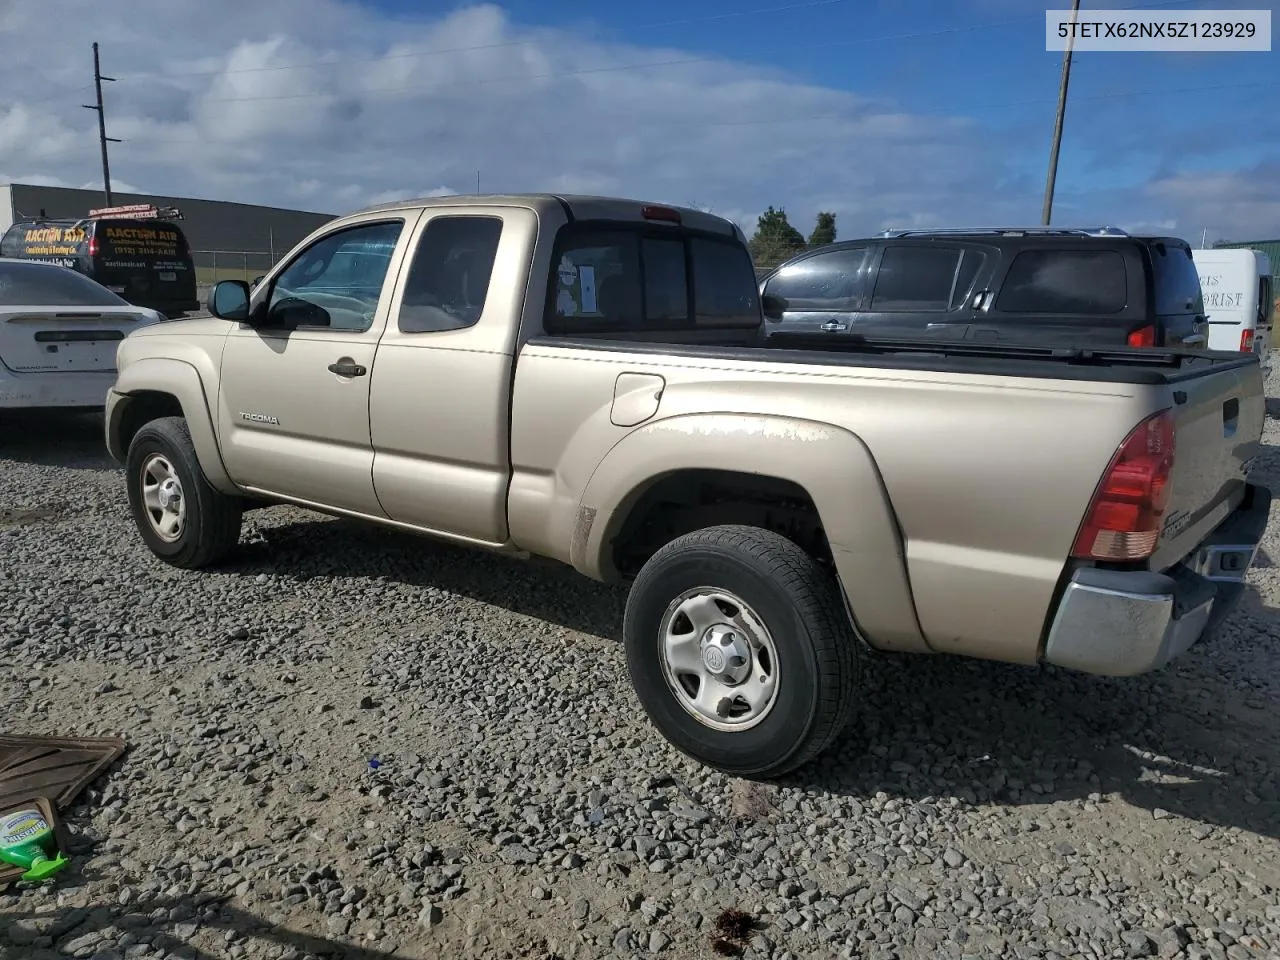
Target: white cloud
328,105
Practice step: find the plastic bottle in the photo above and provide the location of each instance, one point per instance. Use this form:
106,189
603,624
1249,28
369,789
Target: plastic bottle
27,840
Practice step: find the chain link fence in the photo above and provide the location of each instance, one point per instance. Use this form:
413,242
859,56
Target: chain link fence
214,265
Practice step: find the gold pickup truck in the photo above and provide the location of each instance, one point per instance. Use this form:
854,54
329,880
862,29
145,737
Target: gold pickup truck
586,379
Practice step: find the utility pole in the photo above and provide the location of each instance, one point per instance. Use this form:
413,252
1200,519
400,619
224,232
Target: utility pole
103,139
1057,123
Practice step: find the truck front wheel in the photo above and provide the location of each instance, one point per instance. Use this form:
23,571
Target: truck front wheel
182,519
740,650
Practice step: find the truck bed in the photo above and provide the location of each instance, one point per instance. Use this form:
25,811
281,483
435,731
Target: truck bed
987,456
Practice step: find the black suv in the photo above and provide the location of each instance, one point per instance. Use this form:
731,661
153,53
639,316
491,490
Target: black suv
1028,284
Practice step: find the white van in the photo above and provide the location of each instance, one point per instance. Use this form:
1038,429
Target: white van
1238,297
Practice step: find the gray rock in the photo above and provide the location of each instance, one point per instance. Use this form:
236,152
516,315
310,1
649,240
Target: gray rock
622,940
338,925
1137,944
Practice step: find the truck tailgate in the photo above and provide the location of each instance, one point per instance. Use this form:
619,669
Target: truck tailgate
1218,435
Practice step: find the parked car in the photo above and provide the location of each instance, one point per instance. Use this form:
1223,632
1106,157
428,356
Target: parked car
585,379
58,336
1239,298
1025,284
145,262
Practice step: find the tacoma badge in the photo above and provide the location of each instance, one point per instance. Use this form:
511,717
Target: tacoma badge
259,418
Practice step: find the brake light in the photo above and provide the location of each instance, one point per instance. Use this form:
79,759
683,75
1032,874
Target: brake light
654,212
1143,337
93,246
1125,515
1246,340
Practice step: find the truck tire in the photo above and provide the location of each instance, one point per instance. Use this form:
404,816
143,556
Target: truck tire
182,519
740,650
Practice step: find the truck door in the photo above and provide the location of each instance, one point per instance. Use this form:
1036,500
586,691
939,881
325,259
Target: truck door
293,413
440,401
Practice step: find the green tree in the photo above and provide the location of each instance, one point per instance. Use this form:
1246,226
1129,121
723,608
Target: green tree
775,238
824,231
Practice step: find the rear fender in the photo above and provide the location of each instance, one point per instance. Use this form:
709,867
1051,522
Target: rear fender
181,381
831,464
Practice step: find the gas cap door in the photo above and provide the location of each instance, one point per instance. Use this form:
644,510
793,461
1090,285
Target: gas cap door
635,398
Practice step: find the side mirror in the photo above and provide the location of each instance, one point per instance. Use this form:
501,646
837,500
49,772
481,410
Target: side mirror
229,300
773,306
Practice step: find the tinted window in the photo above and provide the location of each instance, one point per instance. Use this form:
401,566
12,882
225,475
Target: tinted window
1266,300
621,281
666,286
827,282
449,277
336,282
724,287
36,285
1176,281
1065,281
915,278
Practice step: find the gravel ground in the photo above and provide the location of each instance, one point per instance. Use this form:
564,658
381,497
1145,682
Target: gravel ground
355,743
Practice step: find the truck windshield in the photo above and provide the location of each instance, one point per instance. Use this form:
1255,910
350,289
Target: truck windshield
622,279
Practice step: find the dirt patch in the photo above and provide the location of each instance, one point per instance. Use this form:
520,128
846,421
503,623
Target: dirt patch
29,516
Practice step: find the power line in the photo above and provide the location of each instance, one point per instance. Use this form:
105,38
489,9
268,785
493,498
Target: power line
689,21
620,68
811,118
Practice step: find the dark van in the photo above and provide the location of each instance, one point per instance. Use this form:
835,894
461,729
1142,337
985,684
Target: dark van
146,262
1074,286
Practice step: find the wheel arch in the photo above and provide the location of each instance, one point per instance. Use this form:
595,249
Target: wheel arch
815,463
151,388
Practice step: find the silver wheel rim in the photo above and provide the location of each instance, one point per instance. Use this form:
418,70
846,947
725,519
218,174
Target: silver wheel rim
162,498
718,658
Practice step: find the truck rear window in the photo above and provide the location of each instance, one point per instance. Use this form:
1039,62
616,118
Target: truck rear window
624,280
1065,281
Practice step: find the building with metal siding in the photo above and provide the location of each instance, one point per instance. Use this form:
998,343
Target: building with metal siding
240,240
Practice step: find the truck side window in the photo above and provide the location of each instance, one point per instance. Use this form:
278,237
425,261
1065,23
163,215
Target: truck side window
915,278
335,283
1065,281
448,280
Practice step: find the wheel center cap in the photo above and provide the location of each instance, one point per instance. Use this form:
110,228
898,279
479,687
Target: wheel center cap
726,655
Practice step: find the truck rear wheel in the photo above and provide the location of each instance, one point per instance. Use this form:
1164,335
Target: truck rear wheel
740,650
182,519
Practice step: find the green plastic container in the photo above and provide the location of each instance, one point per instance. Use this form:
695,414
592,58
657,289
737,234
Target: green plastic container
27,841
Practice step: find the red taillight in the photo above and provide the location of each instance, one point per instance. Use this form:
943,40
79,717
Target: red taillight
93,246
1143,337
655,212
1246,340
1124,518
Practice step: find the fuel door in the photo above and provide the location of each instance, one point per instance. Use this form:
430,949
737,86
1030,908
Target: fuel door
635,398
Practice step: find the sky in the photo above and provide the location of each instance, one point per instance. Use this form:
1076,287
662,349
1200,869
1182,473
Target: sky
889,113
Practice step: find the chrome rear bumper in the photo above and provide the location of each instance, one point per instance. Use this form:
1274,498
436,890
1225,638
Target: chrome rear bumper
1126,622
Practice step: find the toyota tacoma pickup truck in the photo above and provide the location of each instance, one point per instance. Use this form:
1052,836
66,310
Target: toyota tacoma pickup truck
586,379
